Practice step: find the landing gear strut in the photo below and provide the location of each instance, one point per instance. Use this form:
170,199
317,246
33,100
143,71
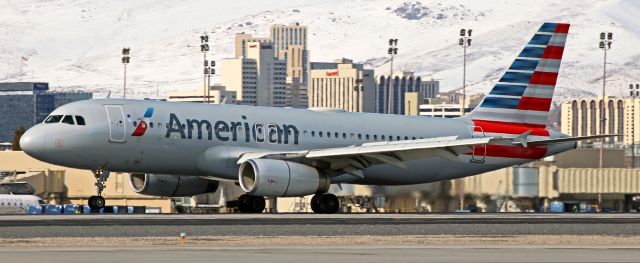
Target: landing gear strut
325,203
97,202
251,204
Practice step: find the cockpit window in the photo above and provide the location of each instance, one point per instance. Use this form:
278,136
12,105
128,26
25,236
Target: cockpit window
68,119
53,119
79,120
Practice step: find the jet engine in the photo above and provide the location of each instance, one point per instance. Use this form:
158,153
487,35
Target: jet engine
266,177
171,185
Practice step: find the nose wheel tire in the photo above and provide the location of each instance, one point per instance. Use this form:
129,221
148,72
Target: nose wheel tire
96,202
251,204
325,204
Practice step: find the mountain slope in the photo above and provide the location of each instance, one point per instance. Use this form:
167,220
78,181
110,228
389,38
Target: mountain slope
76,44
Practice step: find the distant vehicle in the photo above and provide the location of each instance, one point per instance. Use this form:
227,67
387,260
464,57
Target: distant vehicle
17,204
183,149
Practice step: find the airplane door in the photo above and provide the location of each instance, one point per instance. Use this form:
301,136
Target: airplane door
479,151
117,127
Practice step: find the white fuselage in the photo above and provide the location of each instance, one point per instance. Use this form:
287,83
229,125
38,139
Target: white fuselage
206,140
17,204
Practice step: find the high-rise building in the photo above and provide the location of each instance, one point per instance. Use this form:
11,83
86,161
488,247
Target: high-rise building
290,44
241,40
217,94
23,104
258,78
583,117
390,92
342,85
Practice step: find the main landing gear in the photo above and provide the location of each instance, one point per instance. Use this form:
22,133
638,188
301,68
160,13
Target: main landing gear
325,203
251,204
97,202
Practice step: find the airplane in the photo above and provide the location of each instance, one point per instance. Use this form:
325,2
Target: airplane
185,149
17,204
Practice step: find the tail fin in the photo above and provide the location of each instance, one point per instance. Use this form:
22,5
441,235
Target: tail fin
522,96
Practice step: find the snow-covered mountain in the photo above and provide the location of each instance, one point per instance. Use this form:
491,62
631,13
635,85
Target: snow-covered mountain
76,44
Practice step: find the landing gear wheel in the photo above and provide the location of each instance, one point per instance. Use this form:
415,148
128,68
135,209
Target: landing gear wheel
96,202
325,204
251,204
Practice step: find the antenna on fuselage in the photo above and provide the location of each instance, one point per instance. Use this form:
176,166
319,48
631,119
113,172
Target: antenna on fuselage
109,95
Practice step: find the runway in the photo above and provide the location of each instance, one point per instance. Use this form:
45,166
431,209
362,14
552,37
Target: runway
164,225
321,238
328,254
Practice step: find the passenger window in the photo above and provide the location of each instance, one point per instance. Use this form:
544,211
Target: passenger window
313,133
375,137
135,123
328,134
367,137
53,119
344,135
359,136
382,137
320,134
151,124
337,136
68,119
413,138
305,133
406,137
79,120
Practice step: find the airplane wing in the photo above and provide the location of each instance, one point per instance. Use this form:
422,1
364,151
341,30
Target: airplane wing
571,139
352,159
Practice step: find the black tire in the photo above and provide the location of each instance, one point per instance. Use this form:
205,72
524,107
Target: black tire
325,204
251,204
315,207
96,202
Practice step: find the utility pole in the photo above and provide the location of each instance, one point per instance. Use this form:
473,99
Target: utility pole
464,42
392,51
125,61
606,39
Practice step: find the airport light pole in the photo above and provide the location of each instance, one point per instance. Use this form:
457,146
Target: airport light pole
358,88
204,48
606,39
635,94
125,61
464,42
392,51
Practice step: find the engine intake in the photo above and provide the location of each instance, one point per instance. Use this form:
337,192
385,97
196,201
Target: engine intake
266,177
171,185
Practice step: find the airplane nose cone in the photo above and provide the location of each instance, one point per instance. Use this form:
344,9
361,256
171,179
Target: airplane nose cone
32,142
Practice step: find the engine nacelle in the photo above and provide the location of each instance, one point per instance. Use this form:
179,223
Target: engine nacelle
171,185
266,177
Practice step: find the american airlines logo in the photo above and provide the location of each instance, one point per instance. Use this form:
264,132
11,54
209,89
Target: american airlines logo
142,125
232,130
253,46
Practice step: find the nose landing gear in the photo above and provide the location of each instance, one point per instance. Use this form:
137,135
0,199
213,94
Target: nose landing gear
97,202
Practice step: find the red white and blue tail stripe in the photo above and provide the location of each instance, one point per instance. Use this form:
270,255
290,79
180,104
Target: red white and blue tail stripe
521,99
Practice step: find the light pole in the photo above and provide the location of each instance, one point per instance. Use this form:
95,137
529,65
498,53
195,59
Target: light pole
358,88
125,61
204,47
464,42
392,51
635,94
606,39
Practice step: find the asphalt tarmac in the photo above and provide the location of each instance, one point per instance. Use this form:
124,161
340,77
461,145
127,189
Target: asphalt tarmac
33,226
326,254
